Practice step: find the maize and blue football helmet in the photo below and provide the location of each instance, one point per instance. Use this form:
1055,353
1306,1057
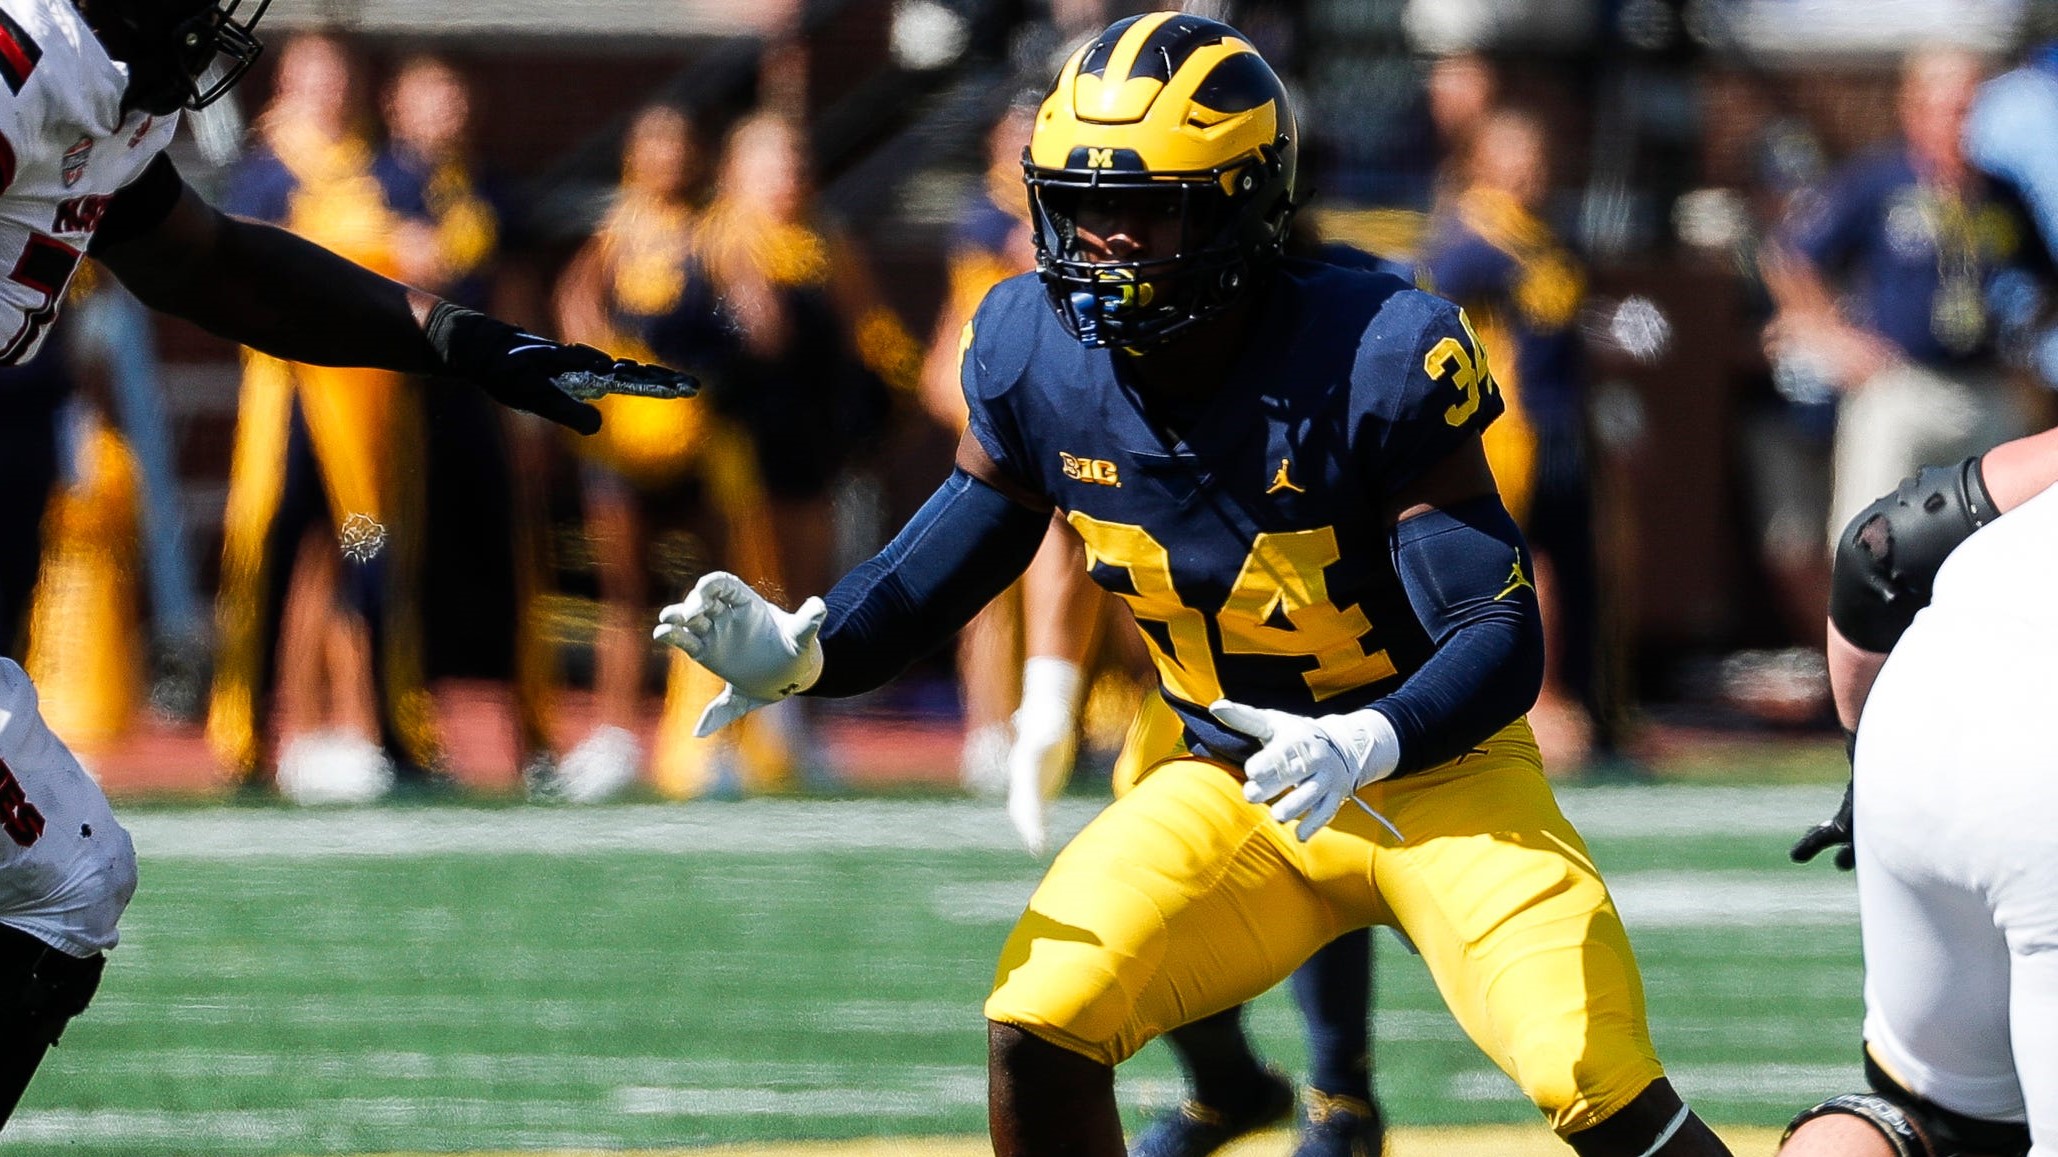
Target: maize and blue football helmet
1163,104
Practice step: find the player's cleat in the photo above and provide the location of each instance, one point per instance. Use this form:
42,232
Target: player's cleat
603,766
1337,1126
1197,1130
331,768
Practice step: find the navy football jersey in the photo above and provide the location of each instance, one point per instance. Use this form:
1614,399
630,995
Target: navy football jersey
1253,548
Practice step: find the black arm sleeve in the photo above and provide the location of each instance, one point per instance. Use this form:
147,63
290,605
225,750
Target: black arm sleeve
1468,581
139,206
1887,558
965,545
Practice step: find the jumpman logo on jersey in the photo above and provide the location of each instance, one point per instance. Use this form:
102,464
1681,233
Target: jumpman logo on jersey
1517,579
1281,482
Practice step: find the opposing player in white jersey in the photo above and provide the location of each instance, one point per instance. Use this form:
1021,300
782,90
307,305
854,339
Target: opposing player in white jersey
1955,793
90,92
66,872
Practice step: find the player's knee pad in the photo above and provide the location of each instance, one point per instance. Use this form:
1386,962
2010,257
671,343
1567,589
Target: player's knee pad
1894,1124
1887,557
1917,1127
1948,1133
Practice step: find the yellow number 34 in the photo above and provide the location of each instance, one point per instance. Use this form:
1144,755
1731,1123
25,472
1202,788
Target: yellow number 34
1471,376
1280,606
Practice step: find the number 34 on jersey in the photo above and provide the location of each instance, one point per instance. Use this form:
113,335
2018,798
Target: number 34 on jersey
1282,578
1280,604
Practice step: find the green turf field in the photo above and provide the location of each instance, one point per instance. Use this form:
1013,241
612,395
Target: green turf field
450,979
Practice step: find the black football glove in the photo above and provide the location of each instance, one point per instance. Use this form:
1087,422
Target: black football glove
1834,832
526,372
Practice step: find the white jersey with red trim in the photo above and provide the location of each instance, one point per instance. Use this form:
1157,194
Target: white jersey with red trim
67,869
66,145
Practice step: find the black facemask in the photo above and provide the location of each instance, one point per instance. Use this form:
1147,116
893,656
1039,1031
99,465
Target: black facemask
180,53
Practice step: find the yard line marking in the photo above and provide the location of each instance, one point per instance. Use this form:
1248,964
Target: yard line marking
1705,1082
1405,1141
1771,898
532,1124
781,827
1774,898
1676,810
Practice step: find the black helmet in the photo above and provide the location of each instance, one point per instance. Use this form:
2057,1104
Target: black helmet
180,53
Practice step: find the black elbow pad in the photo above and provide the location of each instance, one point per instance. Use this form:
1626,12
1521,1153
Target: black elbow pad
1887,558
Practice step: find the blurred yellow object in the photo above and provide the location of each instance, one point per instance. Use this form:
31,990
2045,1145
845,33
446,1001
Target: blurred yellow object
887,349
683,766
83,651
739,243
467,229
1395,234
652,442
338,203
364,430
1546,299
363,427
972,273
645,245
1510,443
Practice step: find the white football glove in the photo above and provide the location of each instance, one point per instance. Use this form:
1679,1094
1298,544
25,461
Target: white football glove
766,654
1316,763
1046,741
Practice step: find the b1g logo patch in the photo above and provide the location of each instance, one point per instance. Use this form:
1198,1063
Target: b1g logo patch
1098,471
75,161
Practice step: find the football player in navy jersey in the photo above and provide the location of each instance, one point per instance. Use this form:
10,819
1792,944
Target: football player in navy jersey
1276,463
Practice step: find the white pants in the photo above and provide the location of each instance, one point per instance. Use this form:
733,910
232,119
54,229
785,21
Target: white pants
1957,822
1906,417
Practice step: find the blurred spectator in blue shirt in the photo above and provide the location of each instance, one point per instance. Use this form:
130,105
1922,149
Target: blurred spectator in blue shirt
450,228
2012,135
1886,278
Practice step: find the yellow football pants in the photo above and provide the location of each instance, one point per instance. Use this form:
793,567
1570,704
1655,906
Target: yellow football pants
1181,900
1155,735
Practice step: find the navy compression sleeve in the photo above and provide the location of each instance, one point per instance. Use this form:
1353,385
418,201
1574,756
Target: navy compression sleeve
1467,577
965,545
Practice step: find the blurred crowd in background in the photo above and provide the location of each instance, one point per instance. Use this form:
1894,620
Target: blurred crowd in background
1729,258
